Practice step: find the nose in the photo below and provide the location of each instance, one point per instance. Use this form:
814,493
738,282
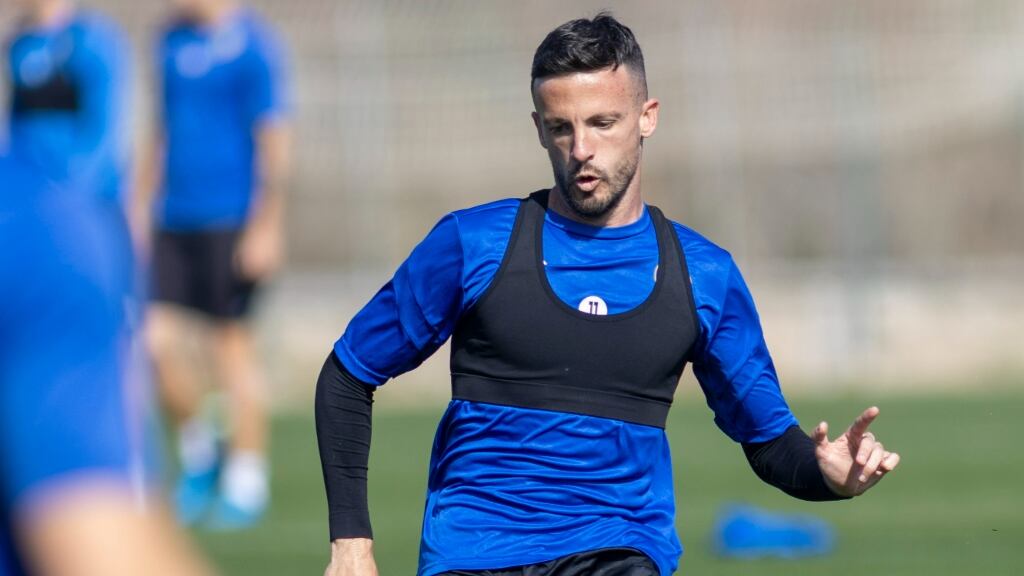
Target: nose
581,149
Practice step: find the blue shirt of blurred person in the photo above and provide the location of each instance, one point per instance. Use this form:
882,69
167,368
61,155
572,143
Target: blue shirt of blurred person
69,103
66,414
220,83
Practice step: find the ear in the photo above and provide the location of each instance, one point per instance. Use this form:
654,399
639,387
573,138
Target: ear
649,117
540,130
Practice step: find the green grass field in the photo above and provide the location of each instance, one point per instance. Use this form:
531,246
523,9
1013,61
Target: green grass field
954,506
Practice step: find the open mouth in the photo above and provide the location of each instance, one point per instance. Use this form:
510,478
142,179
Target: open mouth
587,182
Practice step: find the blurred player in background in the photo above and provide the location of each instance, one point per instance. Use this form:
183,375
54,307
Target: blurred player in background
73,489
212,192
69,79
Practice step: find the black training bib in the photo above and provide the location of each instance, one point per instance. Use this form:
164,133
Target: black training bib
520,345
59,93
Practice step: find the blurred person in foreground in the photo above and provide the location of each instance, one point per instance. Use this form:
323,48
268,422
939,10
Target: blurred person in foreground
572,314
211,197
68,70
74,495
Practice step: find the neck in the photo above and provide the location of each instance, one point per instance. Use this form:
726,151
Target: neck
214,13
49,12
626,212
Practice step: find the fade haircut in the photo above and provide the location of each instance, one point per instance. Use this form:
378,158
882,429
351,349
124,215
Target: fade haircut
587,46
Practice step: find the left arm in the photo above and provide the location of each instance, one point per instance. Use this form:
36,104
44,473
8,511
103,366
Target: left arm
855,461
261,248
739,379
817,469
789,463
101,147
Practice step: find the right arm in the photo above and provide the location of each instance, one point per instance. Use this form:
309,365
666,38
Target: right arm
148,175
149,162
343,428
402,325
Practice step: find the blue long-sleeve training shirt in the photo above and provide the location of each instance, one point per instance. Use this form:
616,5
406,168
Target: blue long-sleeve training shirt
593,482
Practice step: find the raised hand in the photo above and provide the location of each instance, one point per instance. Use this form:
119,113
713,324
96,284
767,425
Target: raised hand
855,461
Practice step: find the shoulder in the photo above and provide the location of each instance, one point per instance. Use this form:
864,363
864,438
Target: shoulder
486,219
714,275
484,213
96,22
702,255
173,31
95,28
483,234
263,39
484,229
19,36
173,27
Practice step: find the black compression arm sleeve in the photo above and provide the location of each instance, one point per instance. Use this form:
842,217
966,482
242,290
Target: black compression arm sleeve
344,415
789,464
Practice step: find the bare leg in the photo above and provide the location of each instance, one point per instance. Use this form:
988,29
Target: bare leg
167,332
244,481
242,379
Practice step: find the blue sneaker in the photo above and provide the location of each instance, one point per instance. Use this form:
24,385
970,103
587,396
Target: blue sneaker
195,494
229,517
749,532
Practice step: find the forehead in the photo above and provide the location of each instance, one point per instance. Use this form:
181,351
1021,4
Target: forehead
600,88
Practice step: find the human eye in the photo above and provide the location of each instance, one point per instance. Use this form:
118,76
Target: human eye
558,128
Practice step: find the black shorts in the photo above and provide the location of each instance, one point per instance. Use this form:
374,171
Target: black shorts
197,270
603,562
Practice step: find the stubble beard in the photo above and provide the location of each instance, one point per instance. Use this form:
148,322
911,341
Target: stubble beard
593,205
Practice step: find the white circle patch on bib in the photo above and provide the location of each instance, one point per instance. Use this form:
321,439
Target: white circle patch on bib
594,305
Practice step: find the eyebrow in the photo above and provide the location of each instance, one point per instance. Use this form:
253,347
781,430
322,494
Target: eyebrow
601,116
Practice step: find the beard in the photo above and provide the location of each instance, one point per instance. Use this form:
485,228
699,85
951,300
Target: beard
594,205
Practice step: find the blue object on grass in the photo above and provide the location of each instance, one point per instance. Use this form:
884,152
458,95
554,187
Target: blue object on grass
743,531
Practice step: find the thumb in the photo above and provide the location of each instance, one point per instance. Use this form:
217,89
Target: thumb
821,434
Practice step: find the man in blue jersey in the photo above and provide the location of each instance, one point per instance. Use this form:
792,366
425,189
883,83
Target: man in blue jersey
68,105
214,191
572,314
73,490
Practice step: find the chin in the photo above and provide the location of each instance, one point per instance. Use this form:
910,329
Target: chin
590,204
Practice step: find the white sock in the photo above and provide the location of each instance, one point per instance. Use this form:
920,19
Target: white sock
245,481
197,445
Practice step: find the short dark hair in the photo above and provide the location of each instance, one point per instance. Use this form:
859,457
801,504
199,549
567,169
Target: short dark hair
584,45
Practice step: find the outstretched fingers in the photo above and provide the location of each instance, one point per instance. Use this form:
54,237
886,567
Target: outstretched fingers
873,462
889,462
860,426
862,442
865,446
820,435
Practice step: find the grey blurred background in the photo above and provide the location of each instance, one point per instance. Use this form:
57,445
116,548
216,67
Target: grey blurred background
860,159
